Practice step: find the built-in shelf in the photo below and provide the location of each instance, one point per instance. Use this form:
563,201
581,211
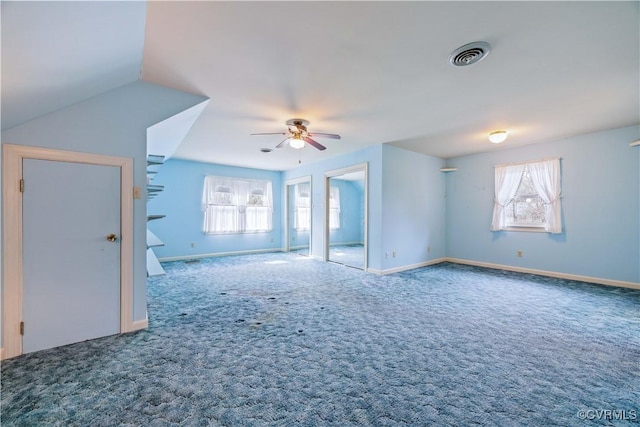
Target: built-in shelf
154,267
634,143
152,240
446,169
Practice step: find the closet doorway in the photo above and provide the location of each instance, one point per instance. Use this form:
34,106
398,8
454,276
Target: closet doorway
298,216
346,216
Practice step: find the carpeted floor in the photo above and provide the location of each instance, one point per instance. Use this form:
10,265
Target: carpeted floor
349,255
285,340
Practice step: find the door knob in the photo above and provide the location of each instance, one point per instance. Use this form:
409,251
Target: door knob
112,237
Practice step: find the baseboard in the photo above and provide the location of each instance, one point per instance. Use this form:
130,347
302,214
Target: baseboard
218,254
587,279
406,267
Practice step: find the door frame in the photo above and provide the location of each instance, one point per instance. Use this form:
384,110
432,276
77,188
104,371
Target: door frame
12,274
361,167
287,205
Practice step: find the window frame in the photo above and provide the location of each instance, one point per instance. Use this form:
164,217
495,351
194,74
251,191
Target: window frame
240,216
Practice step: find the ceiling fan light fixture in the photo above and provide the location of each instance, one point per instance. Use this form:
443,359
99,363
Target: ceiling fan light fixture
498,136
296,142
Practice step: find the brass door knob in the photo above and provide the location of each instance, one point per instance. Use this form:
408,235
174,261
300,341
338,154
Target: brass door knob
112,237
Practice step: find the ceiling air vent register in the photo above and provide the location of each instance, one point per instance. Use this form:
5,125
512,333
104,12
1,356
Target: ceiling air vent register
469,54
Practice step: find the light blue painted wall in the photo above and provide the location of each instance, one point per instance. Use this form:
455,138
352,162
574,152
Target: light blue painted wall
351,213
317,170
181,202
413,213
114,123
600,209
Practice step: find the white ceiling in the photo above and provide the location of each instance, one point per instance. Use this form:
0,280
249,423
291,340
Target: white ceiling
373,72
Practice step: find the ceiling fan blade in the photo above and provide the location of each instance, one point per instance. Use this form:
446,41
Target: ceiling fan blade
269,133
314,143
283,143
325,135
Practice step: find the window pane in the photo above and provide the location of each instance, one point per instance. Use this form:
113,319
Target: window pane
526,208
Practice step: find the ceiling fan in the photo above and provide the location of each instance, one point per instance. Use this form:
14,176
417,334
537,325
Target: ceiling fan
298,135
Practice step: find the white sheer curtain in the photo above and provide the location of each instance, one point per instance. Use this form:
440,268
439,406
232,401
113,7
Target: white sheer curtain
545,176
334,207
233,205
302,206
259,207
507,180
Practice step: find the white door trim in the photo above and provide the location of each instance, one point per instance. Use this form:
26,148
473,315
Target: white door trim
12,280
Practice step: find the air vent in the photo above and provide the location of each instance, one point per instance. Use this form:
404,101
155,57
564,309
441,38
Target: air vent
469,54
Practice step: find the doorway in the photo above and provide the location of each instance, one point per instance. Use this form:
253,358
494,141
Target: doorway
298,216
346,216
68,251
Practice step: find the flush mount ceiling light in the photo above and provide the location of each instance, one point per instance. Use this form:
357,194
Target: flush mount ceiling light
498,136
469,54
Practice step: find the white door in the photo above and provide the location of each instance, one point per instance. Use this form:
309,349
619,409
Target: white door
71,270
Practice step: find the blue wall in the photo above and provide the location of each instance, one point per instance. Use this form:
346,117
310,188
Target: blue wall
600,209
181,202
413,214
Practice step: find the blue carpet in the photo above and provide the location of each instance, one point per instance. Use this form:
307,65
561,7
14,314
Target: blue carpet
349,255
285,340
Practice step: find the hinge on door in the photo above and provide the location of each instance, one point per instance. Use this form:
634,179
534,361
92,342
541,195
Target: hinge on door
22,185
21,328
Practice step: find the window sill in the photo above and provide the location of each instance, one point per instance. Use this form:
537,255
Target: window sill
527,229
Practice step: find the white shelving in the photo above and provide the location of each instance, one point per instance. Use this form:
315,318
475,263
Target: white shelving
154,268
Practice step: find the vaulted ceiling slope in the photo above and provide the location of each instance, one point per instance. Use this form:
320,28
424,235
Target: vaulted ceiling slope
55,54
373,72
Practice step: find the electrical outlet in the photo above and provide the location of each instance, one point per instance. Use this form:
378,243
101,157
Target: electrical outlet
519,254
193,245
394,254
386,254
428,249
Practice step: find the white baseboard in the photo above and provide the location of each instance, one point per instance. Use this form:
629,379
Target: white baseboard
217,254
406,267
596,280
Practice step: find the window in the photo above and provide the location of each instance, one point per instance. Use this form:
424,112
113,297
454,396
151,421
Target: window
527,209
233,205
334,208
527,195
302,207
